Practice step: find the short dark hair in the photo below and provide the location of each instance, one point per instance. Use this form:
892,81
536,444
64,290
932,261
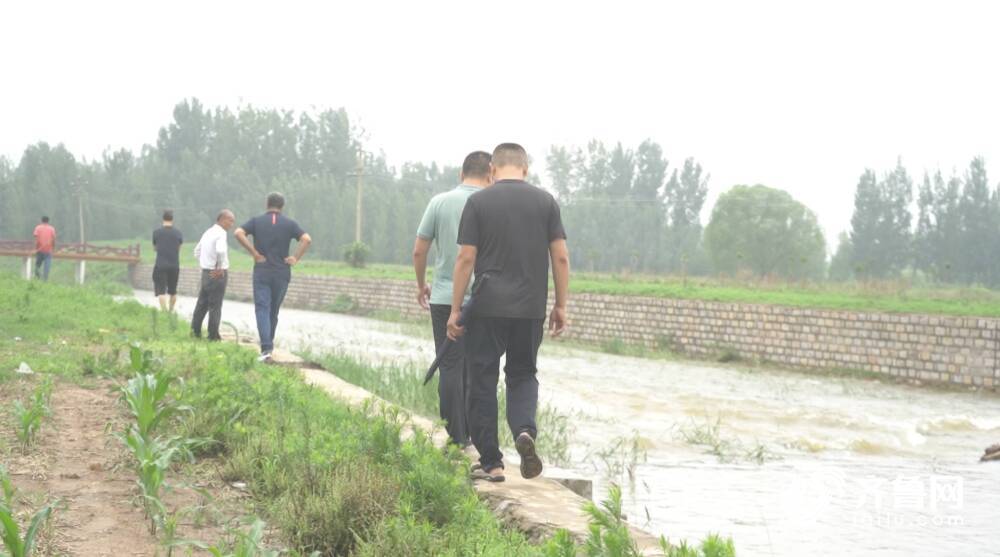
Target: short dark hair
510,154
45,219
476,165
168,216
275,200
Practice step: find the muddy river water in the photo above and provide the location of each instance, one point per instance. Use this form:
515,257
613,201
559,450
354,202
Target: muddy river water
786,463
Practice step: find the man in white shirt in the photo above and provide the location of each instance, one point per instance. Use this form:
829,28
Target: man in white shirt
212,253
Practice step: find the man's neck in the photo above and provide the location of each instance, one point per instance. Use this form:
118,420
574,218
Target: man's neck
510,174
475,183
273,210
167,224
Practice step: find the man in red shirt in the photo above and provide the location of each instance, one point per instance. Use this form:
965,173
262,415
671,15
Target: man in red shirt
45,242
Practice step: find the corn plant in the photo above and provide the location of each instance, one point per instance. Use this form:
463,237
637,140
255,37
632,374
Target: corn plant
11,533
153,459
7,487
169,538
29,418
143,361
146,397
43,393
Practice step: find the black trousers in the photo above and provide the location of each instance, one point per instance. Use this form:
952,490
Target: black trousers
451,377
487,339
210,296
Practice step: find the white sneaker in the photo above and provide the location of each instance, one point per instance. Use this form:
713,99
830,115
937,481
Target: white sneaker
264,357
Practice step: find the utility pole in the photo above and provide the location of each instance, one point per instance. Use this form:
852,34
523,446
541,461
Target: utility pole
81,266
357,214
360,174
79,207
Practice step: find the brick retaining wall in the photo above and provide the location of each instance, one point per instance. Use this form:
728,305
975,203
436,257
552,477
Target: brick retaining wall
931,348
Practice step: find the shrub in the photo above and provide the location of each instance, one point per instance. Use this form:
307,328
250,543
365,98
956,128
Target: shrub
356,254
341,304
343,502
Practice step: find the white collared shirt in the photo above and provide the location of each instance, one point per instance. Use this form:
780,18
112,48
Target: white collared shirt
213,249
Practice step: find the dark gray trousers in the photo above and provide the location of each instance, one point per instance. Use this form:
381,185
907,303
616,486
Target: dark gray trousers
451,378
210,296
486,340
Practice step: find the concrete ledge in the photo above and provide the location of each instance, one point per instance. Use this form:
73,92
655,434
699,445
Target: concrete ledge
537,507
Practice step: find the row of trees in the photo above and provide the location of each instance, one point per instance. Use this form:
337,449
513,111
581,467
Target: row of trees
624,208
627,209
957,228
208,159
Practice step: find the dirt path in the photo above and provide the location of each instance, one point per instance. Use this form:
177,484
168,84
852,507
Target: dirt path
74,462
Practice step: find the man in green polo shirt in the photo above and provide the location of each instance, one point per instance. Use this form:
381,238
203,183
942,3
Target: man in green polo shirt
440,228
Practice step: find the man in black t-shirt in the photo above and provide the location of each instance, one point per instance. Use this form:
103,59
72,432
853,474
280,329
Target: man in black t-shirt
167,242
272,271
509,233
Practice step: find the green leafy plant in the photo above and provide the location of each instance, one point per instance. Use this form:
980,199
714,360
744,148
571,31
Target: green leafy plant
560,545
609,533
153,459
146,397
11,533
247,544
143,361
356,254
7,488
610,536
29,417
712,546
342,304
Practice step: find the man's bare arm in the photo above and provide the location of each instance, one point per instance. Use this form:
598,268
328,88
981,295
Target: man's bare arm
241,237
559,254
464,264
420,249
304,241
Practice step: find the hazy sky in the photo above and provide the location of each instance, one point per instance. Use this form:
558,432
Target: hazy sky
795,95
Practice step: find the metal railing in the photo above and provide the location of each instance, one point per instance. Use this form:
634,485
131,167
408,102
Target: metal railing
78,252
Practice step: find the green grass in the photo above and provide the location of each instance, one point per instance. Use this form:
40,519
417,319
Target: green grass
893,297
239,260
111,278
53,328
326,477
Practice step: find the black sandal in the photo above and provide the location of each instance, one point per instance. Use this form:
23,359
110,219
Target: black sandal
479,474
531,464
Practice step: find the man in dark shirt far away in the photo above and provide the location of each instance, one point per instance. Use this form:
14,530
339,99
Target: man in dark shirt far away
509,232
272,234
167,242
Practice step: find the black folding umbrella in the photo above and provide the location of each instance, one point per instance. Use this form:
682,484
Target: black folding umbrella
463,318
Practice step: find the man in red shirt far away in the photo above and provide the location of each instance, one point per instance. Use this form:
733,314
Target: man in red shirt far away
45,242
